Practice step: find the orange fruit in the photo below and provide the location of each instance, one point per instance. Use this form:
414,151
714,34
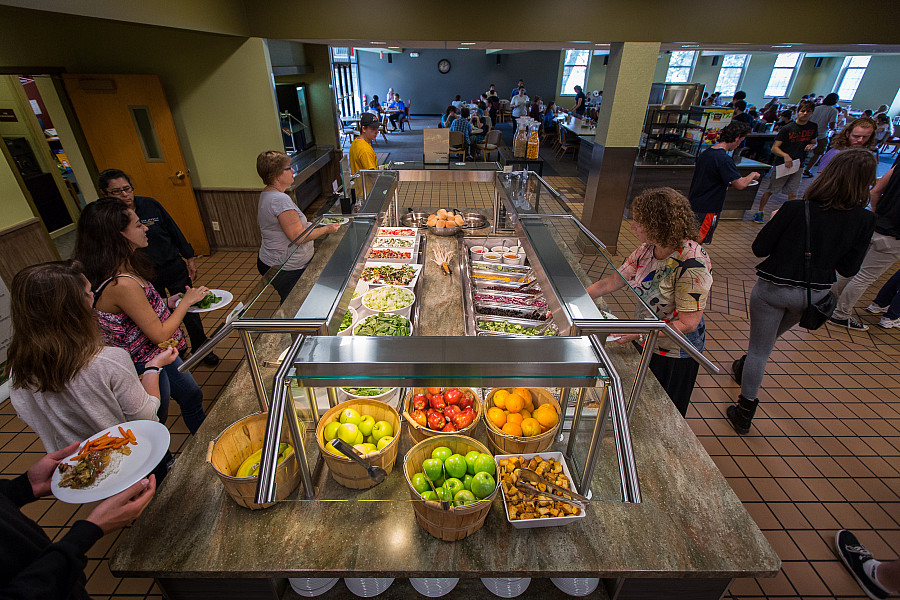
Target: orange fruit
546,415
515,403
512,429
514,418
529,406
526,395
500,398
497,416
530,427
526,414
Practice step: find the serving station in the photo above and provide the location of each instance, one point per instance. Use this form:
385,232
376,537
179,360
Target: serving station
498,311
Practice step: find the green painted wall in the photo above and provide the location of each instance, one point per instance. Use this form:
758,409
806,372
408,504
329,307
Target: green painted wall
880,83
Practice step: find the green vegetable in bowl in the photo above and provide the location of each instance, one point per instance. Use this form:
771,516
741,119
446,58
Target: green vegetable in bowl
384,324
347,321
368,391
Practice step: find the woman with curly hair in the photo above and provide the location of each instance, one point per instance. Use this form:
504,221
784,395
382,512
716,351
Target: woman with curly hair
859,133
670,271
839,229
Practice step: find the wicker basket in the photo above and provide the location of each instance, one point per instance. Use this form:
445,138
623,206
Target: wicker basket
503,443
459,521
345,471
241,439
419,433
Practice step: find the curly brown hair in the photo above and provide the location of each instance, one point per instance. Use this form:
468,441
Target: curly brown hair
666,216
842,139
270,164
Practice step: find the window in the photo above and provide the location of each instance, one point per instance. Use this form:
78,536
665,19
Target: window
146,130
680,65
852,72
345,80
575,69
730,73
780,81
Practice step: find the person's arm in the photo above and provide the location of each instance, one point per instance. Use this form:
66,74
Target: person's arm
687,321
128,296
728,172
607,285
184,247
293,227
878,188
849,264
768,236
138,396
742,182
777,151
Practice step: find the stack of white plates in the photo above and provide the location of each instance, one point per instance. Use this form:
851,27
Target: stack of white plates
506,587
366,587
434,587
312,586
576,586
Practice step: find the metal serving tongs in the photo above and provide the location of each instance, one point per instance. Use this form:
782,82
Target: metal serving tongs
531,479
376,473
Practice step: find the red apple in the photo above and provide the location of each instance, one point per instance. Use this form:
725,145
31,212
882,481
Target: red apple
420,402
452,396
419,418
449,428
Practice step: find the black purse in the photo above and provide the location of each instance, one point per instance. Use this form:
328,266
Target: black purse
815,315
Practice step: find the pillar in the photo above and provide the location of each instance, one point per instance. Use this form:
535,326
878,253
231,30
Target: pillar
625,95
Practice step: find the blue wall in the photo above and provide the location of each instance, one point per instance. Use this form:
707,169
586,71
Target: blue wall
471,72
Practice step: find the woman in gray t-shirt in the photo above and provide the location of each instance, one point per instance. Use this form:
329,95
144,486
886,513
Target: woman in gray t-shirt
280,223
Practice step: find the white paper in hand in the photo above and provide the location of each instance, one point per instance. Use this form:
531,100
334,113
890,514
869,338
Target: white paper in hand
781,170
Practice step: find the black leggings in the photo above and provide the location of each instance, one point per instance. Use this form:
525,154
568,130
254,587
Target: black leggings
284,282
677,376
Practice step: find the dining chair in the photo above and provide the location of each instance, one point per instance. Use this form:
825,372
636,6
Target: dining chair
487,122
547,135
457,144
505,111
491,143
404,118
565,144
894,142
382,128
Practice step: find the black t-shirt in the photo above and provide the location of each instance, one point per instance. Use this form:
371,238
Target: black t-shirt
795,138
580,109
166,243
714,170
887,210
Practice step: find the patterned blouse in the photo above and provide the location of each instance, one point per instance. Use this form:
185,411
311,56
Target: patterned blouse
119,330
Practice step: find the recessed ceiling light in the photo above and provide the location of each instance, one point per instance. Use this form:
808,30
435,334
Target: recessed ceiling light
601,44
378,42
463,48
691,46
580,42
782,46
467,43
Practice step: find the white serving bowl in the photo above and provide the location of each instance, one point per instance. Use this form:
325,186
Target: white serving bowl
310,587
361,288
500,249
389,397
576,586
366,587
375,291
363,320
506,587
513,259
434,587
355,319
492,257
477,252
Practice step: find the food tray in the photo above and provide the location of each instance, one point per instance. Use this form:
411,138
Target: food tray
482,285
523,322
483,265
510,297
410,285
551,521
496,276
402,256
444,231
511,311
398,242
398,231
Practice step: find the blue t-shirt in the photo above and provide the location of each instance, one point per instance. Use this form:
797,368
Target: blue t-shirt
714,170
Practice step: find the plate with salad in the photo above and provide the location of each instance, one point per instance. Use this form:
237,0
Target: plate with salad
214,300
330,220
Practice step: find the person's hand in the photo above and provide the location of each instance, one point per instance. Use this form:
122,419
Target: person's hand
195,294
166,357
122,509
788,162
332,227
39,475
626,339
192,268
754,176
809,147
171,301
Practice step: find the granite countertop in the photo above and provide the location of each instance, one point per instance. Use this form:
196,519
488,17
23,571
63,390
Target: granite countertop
690,524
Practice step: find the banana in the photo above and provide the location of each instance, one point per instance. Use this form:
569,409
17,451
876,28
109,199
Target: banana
250,466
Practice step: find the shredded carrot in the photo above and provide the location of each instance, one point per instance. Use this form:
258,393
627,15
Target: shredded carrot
106,441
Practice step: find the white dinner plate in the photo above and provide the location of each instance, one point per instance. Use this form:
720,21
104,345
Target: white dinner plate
752,183
338,220
152,443
226,296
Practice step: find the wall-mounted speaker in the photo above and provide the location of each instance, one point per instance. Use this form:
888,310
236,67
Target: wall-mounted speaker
715,61
605,59
498,60
390,59
819,61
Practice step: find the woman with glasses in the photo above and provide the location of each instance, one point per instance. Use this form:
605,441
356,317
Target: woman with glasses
131,313
281,223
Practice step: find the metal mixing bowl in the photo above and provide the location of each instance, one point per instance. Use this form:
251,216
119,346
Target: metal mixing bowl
414,219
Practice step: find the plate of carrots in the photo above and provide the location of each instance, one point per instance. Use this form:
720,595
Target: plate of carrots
137,448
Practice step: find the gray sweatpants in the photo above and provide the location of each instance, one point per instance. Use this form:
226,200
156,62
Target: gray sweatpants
884,251
773,310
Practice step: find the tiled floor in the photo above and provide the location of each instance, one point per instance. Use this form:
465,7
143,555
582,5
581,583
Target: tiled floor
824,452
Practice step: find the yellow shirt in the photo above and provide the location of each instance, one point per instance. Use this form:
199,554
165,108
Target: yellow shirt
362,156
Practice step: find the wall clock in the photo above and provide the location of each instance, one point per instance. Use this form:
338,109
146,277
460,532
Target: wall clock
444,66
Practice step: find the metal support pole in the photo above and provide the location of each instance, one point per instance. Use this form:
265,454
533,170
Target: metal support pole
590,462
332,397
313,406
641,374
299,439
255,375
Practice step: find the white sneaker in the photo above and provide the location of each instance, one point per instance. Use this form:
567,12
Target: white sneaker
875,309
889,323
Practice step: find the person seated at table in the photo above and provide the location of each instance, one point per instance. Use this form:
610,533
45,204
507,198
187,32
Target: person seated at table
390,96
462,125
535,112
449,116
375,106
481,107
550,117
457,102
770,111
397,105
883,131
479,122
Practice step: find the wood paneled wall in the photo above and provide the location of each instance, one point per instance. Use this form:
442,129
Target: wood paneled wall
22,245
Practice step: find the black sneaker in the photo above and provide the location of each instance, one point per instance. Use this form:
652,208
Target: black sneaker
210,360
849,324
855,555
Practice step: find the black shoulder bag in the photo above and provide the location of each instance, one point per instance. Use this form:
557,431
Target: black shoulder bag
815,315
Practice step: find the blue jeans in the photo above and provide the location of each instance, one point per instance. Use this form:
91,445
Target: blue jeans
184,389
889,296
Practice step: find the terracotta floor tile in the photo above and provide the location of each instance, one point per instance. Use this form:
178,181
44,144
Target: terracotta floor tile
784,545
762,514
846,516
796,489
836,577
812,545
791,517
804,578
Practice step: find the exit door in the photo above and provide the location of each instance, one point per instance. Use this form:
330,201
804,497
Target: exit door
128,125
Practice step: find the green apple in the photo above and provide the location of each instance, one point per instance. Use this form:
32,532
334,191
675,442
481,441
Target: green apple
330,431
360,449
368,421
433,468
453,485
429,495
384,441
359,437
348,432
470,460
350,415
485,464
440,481
455,465
420,482
463,498
369,448
441,453
369,439
443,494
467,481
381,429
483,485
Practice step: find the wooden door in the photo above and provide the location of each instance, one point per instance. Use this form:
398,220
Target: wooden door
128,125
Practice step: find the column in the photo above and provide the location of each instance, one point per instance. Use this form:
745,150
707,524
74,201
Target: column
625,95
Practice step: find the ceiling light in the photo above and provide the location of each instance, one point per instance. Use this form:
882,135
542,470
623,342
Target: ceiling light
601,44
782,46
463,48
467,43
691,46
394,47
378,42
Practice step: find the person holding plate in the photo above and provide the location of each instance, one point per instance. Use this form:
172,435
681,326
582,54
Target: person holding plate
131,313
